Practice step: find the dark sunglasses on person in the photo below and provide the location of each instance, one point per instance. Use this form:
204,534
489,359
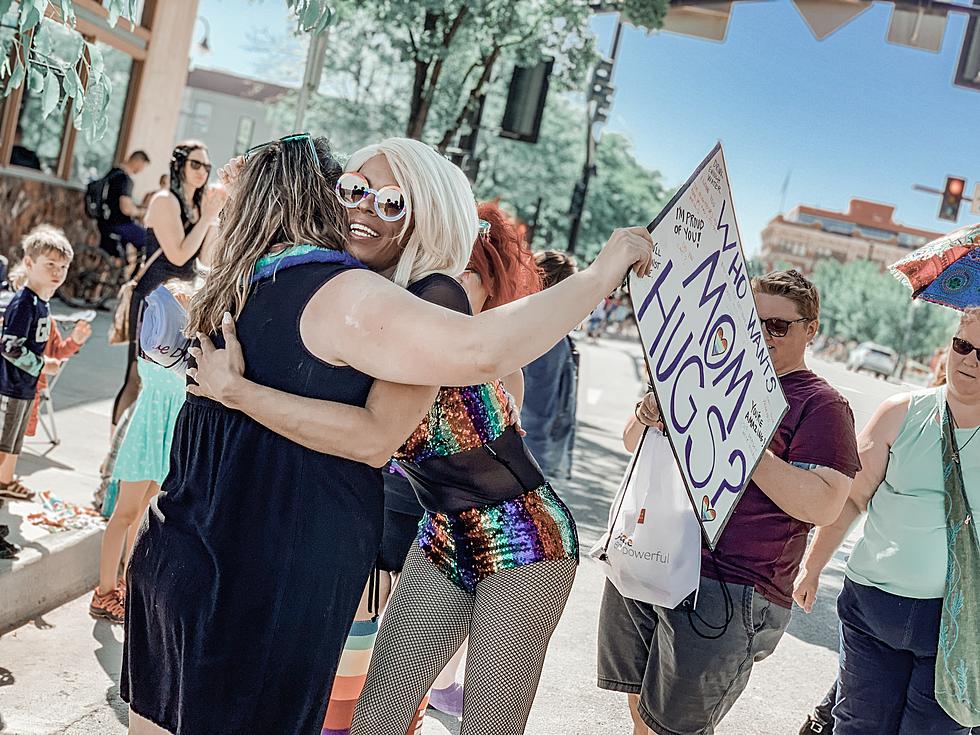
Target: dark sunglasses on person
389,201
962,347
295,137
198,165
779,327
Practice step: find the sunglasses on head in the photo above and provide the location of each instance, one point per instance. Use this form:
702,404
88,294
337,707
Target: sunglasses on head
389,201
780,327
198,165
294,138
962,347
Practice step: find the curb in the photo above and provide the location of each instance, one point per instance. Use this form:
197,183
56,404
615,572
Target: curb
50,572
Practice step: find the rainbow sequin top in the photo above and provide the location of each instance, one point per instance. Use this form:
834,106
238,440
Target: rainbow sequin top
454,447
460,419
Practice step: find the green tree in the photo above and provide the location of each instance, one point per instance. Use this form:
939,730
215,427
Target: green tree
859,302
624,191
454,48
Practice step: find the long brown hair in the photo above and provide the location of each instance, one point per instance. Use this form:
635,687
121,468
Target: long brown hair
502,260
178,158
282,195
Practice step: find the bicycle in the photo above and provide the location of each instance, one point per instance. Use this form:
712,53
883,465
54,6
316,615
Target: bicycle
94,277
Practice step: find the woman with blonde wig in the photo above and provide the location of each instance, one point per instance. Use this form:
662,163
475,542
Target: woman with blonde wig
250,564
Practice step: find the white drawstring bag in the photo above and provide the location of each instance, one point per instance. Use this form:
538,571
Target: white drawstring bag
652,550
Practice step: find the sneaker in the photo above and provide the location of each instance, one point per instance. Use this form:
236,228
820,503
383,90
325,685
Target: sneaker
107,606
448,700
7,549
813,726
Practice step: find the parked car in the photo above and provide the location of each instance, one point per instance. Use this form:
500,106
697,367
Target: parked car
876,359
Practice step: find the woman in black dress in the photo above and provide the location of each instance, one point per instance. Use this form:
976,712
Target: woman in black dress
179,221
250,562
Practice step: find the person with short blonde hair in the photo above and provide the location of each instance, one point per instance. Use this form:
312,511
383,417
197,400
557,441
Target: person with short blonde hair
26,329
47,240
440,222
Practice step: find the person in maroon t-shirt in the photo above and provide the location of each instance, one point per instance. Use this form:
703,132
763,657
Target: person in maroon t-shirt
683,669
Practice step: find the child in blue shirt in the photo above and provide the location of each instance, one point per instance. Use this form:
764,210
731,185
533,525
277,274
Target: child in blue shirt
26,327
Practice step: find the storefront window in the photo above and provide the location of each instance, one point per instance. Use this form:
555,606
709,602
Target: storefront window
93,159
200,119
243,139
38,139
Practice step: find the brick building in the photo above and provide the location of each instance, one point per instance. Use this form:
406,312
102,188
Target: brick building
866,231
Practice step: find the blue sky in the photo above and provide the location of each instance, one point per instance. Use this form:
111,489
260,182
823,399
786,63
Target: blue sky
851,115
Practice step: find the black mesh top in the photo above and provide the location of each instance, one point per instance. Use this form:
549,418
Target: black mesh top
465,453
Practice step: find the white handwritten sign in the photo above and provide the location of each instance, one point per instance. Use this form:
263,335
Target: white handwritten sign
705,351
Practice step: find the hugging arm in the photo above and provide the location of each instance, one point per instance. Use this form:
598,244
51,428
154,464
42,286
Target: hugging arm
360,319
370,434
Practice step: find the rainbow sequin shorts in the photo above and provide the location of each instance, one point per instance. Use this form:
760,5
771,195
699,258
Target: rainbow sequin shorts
470,546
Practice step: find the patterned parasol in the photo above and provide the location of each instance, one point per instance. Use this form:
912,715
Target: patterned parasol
946,271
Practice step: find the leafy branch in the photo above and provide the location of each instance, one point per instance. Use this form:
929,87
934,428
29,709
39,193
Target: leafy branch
42,48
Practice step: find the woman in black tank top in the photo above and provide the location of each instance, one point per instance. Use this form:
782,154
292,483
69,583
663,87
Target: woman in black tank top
179,221
465,456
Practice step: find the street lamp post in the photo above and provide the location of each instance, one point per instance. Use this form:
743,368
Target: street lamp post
595,119
315,56
204,45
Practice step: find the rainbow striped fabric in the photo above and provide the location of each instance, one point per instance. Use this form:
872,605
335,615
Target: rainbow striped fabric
351,674
268,265
472,545
460,419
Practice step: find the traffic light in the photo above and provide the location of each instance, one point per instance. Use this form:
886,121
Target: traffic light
526,98
949,209
601,90
968,68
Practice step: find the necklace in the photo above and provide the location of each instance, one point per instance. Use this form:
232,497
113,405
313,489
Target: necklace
961,447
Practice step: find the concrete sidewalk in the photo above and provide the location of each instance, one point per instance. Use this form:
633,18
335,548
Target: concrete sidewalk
55,567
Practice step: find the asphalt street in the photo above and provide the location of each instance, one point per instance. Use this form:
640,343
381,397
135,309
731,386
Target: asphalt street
59,674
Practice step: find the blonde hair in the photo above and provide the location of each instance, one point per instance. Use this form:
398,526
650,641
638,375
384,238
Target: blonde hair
17,277
282,195
46,240
440,208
